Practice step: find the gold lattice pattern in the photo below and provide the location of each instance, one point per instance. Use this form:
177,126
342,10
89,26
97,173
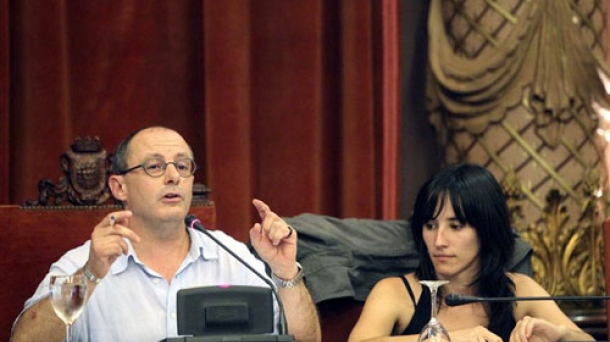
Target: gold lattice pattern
483,24
553,171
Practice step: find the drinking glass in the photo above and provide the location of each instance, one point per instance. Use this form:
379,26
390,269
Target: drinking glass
68,297
434,331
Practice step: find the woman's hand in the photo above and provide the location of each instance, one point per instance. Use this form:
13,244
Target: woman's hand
532,329
476,334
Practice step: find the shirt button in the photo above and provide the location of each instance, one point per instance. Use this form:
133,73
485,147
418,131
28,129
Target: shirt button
156,280
173,315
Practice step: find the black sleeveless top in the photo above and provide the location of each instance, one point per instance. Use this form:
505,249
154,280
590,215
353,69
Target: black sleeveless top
423,310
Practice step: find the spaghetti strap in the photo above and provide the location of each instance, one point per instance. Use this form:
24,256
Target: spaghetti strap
422,309
404,280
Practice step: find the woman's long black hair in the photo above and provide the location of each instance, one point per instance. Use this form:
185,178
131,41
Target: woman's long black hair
478,200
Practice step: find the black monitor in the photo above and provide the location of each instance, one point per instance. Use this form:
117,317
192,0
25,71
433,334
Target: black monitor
225,310
232,338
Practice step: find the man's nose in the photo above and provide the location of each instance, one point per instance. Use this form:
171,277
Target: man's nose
171,173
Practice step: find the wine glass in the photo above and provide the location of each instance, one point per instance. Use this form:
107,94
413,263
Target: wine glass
434,331
68,297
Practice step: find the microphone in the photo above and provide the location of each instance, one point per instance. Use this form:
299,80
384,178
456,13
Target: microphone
456,299
193,222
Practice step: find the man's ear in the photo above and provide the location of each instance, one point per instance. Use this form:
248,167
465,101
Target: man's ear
116,185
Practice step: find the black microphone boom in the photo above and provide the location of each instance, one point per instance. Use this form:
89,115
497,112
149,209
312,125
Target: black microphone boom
194,223
456,299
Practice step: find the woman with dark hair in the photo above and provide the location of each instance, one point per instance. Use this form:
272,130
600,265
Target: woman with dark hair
461,228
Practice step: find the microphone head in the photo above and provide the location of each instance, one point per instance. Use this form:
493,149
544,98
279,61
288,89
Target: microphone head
191,220
453,299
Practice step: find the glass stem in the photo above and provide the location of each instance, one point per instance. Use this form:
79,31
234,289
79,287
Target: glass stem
68,332
433,294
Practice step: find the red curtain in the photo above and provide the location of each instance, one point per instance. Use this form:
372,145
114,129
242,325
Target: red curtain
4,101
292,102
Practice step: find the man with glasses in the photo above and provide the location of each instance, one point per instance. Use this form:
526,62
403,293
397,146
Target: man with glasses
139,257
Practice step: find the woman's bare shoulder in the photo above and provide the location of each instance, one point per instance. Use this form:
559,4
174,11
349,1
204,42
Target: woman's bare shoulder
387,310
392,281
526,285
395,284
520,278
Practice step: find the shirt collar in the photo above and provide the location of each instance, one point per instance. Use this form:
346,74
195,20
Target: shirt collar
121,263
201,246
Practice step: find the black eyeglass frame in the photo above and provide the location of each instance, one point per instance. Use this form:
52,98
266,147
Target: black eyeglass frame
163,167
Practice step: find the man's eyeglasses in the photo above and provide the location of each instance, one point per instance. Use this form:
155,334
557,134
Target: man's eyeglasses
155,167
